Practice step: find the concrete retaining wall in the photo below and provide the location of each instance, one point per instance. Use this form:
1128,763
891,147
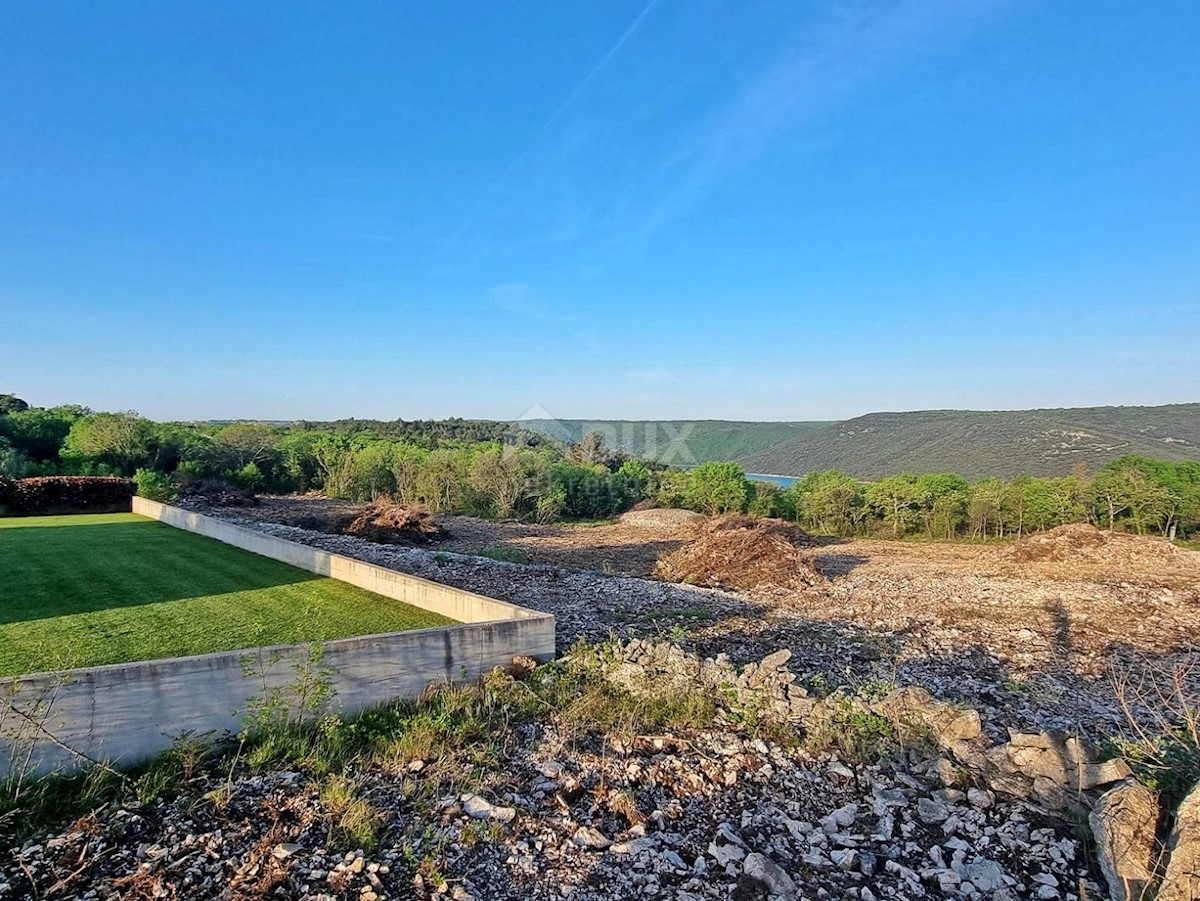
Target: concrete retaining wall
464,606
127,712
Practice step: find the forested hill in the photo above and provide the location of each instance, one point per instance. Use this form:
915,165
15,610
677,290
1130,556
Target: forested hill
706,439
978,444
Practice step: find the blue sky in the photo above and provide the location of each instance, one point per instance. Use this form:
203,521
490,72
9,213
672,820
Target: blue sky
752,210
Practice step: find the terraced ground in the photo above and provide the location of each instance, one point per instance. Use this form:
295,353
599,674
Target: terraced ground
115,588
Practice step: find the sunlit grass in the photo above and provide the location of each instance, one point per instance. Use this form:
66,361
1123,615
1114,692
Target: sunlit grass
115,588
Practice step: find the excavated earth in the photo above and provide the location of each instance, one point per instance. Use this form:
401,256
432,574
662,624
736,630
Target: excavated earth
710,814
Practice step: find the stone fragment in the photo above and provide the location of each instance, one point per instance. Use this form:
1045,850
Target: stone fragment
1181,882
591,838
914,711
981,798
931,811
986,875
1123,823
481,809
842,818
764,870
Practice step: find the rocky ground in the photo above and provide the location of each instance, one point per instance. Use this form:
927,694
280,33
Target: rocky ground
728,812
1030,645
715,816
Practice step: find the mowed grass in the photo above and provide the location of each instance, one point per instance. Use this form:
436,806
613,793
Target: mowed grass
115,588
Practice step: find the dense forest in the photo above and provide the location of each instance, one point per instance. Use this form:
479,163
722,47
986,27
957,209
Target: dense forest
678,442
490,470
978,444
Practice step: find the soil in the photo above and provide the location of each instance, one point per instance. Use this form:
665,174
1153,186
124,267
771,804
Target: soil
632,547
1032,644
617,548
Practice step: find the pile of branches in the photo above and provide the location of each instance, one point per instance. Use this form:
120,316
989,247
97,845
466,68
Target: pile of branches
743,552
1083,543
215,492
387,523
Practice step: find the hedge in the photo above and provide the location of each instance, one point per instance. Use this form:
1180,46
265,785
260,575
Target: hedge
66,494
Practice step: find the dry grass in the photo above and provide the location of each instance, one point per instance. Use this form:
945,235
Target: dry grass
660,519
352,819
743,552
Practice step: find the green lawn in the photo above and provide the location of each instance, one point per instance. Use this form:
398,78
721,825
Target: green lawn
113,588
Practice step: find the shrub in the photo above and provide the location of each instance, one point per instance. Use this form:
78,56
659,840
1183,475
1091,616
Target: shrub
155,486
66,494
12,462
249,477
716,488
504,554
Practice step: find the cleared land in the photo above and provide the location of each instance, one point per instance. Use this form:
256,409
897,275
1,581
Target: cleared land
1032,641
90,590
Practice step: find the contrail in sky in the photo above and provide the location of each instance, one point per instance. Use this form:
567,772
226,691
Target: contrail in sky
554,117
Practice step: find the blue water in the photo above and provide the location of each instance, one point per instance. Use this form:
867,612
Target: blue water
781,481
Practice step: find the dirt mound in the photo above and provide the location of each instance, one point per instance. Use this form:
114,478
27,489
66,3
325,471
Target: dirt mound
743,552
1084,544
394,524
666,518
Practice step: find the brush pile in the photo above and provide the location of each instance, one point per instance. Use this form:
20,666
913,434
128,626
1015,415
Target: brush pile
664,519
213,492
743,552
1083,544
387,523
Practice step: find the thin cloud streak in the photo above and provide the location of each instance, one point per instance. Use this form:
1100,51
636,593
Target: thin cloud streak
851,53
549,124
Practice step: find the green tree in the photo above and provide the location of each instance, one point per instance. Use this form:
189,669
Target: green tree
298,467
443,479
633,481
1133,487
405,462
10,403
943,502
334,459
896,500
829,501
39,433
243,443
670,488
716,488
768,499
506,478
371,470
988,508
12,461
122,441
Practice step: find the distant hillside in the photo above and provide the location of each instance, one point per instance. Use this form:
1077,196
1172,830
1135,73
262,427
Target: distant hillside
978,444
707,439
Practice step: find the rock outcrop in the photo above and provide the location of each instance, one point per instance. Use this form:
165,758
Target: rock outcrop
768,687
1181,881
1124,821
